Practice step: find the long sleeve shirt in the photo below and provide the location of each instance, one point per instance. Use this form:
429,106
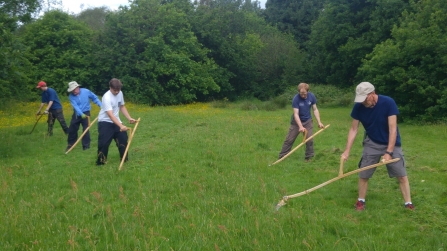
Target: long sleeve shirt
81,102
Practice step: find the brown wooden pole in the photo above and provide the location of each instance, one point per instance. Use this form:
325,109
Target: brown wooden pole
342,161
37,120
298,146
286,198
82,135
128,143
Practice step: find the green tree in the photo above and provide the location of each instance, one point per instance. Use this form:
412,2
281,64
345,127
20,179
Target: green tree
295,17
258,59
279,64
13,63
60,49
13,66
411,66
95,18
14,11
151,48
344,33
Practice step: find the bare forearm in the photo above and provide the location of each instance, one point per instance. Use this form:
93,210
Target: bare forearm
126,113
392,131
49,105
351,137
298,120
392,140
317,116
114,119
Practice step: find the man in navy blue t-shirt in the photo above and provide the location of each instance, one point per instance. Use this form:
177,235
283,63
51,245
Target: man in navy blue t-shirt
378,115
302,120
54,107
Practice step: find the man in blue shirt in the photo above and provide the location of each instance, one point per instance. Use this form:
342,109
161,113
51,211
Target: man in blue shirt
378,115
302,120
80,100
54,107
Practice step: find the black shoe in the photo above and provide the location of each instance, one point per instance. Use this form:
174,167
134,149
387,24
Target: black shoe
68,148
85,147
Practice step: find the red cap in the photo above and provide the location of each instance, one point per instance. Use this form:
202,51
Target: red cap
41,84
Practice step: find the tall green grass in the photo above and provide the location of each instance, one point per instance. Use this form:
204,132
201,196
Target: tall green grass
198,178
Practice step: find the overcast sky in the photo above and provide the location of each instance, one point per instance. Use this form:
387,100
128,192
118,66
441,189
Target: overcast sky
74,6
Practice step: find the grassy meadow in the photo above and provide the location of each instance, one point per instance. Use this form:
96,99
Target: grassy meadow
198,178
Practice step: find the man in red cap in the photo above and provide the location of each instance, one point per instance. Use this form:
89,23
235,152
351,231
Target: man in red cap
54,107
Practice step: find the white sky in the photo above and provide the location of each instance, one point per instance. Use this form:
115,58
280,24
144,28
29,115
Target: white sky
74,6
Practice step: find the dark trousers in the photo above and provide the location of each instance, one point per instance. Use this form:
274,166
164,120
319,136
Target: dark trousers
75,122
108,131
52,116
291,137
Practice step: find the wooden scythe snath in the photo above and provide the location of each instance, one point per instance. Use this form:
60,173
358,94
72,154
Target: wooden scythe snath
340,175
37,120
82,135
132,133
300,145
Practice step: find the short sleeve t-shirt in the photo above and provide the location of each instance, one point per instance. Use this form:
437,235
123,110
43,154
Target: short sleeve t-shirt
51,95
112,103
303,106
375,120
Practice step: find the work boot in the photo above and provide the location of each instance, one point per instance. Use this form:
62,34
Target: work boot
101,159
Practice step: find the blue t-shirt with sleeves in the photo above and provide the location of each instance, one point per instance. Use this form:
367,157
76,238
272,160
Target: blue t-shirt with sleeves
303,106
51,95
375,120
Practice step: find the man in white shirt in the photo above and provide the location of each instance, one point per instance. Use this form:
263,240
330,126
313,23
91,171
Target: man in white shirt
109,123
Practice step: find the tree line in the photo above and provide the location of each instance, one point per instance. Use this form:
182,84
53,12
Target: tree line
176,51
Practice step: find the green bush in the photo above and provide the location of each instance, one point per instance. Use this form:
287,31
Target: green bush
250,105
220,103
327,95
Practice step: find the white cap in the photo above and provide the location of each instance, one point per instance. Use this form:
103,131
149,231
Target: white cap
362,90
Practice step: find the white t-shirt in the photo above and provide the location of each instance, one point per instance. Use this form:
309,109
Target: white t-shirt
112,103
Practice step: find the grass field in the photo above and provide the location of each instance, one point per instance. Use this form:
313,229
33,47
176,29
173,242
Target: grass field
198,178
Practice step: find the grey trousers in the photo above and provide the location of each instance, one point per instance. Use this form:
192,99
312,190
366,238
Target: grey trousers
293,134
